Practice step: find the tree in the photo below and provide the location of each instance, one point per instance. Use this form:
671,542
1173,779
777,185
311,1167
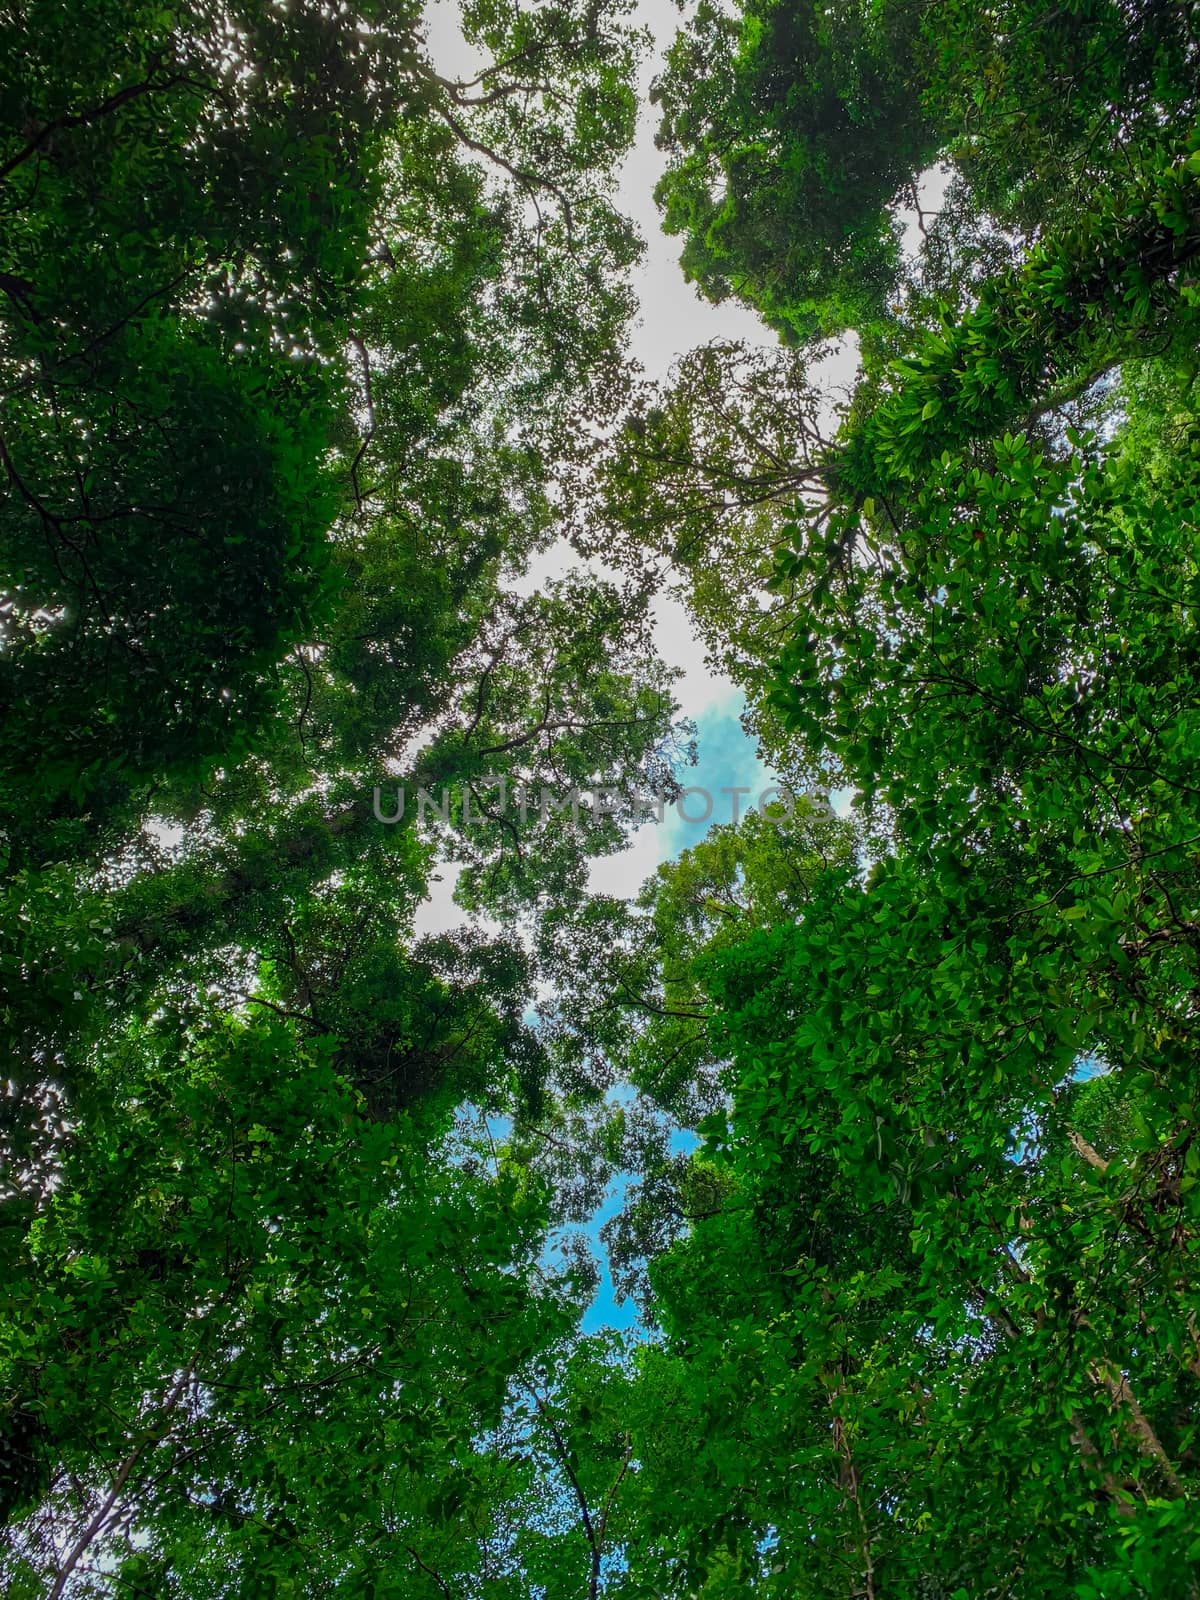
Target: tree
204,247
937,1338
288,1320
698,483
284,1183
789,129
293,326
797,135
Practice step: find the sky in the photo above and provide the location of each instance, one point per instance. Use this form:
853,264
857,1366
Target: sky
673,319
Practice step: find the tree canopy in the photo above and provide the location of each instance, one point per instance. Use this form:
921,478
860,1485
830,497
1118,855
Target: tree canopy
307,350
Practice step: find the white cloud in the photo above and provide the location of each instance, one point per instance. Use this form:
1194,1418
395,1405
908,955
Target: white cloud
623,875
437,913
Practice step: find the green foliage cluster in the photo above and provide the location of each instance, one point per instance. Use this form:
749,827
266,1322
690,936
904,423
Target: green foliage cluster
796,133
935,1333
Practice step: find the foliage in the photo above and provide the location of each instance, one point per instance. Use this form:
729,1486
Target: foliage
790,128
295,330
796,136
306,350
938,1339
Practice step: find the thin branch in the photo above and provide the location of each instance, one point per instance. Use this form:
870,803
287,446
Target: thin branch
564,1460
84,119
360,348
1089,1153
433,1573
151,1437
520,175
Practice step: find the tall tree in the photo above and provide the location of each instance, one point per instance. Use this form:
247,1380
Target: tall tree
295,329
796,135
939,1337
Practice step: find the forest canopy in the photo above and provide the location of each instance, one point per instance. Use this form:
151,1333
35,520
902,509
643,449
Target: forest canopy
310,349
